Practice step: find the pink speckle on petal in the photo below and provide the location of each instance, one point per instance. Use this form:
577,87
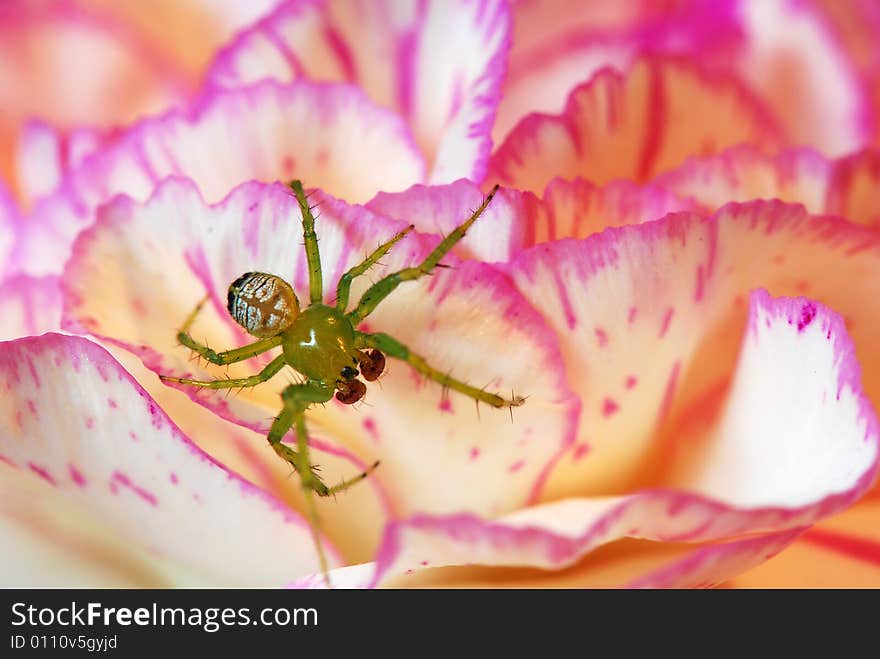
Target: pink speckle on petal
516,466
631,317
631,382
32,406
445,405
102,372
667,319
475,453
567,307
173,478
42,473
34,375
125,481
112,403
698,293
609,407
580,451
423,563
808,313
90,423
76,476
138,306
601,337
133,435
668,394
370,427
155,416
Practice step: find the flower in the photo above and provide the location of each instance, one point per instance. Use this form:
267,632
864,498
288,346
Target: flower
85,66
683,424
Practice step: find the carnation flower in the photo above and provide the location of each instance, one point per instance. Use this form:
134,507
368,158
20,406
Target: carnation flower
679,272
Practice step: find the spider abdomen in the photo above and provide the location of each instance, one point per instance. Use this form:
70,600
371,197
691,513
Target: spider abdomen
265,305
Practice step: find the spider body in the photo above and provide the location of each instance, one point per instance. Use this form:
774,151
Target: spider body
320,344
323,344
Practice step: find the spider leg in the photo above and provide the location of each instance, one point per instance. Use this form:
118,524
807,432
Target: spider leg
344,286
394,348
228,356
385,286
252,381
313,256
297,399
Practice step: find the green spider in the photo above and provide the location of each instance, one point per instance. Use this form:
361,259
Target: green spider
322,343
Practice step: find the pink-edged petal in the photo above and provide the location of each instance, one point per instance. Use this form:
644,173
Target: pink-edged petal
633,126
856,25
392,50
577,209
328,135
797,57
45,154
853,188
677,288
29,306
845,187
351,520
841,552
667,564
743,173
481,461
793,60
714,564
49,541
501,231
85,66
74,418
558,46
768,466
517,220
71,66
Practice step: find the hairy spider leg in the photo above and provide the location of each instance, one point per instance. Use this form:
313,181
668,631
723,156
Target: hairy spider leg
394,348
313,256
297,398
343,288
385,286
228,356
234,383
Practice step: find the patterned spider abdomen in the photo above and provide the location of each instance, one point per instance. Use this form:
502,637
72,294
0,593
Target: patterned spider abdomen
265,305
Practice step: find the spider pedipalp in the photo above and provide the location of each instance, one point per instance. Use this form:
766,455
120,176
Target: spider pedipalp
349,392
372,364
